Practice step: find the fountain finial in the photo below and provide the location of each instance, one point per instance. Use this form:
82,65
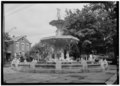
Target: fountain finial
58,14
58,23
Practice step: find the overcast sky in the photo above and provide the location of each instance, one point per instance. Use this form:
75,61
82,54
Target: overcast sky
33,19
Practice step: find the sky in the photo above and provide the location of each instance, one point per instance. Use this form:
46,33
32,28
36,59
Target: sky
33,20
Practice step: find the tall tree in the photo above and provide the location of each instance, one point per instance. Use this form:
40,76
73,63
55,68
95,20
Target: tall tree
7,42
94,25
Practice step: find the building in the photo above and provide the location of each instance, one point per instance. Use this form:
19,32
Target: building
19,45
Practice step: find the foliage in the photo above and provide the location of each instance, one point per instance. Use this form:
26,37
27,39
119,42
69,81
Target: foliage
95,25
6,39
7,42
38,49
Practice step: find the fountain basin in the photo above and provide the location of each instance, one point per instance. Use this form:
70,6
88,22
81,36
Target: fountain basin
52,65
51,68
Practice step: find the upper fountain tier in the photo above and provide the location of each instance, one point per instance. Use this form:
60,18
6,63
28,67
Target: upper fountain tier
59,41
60,25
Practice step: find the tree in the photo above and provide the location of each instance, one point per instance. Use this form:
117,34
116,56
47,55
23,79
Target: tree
7,39
95,23
38,49
79,24
7,42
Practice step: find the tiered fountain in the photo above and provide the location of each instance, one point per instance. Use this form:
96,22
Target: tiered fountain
60,41
58,44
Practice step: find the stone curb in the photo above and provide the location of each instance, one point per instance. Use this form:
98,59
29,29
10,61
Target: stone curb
112,80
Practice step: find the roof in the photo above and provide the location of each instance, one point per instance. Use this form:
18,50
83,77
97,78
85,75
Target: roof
19,37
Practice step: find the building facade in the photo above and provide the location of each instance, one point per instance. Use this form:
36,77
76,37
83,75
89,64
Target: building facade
20,45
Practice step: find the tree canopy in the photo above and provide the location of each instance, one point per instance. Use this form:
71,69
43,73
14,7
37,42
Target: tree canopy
38,49
7,39
6,43
95,25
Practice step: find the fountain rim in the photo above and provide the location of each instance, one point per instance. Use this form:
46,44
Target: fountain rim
62,37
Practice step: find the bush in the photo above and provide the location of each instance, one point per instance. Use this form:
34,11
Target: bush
111,55
40,49
29,59
22,59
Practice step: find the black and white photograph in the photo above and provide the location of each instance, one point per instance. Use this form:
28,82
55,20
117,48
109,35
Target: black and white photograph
60,42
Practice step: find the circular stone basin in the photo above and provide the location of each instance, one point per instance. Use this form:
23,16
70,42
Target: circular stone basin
50,67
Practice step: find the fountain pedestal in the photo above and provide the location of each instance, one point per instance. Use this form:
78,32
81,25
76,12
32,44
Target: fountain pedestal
62,56
58,65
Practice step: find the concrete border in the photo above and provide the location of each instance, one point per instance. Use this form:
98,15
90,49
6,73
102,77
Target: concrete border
112,80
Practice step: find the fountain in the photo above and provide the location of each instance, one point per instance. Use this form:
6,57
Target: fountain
60,41
58,44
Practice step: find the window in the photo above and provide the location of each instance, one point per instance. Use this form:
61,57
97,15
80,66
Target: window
17,46
22,46
27,47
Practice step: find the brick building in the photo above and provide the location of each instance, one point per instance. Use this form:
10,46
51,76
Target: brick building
19,45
